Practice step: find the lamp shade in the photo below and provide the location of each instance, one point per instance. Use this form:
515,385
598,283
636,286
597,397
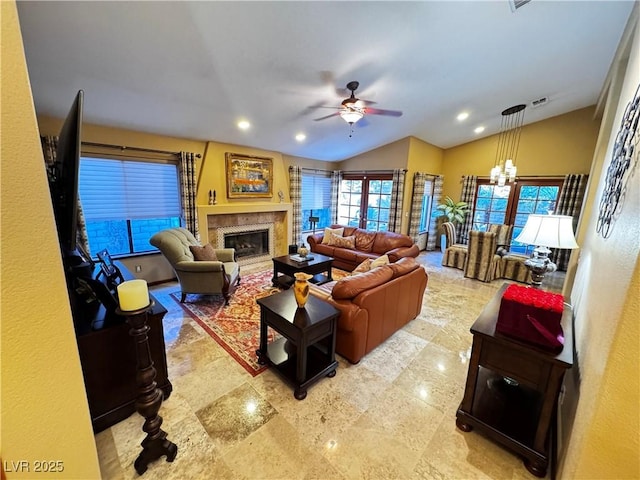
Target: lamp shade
351,115
551,231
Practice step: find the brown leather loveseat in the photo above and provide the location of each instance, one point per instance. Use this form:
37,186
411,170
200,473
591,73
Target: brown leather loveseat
374,304
367,244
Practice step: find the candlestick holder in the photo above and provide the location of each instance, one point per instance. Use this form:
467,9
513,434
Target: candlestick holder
150,397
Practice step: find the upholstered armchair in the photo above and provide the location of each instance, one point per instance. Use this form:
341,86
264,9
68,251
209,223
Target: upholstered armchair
503,236
455,254
483,263
206,276
511,265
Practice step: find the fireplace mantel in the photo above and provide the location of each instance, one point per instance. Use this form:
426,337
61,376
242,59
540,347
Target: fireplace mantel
206,211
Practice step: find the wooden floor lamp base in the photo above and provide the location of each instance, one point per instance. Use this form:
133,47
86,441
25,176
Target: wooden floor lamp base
149,400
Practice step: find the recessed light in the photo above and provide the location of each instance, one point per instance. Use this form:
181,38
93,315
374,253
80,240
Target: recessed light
300,137
479,129
462,116
243,125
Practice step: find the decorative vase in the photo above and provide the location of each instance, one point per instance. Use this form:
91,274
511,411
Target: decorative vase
303,251
301,288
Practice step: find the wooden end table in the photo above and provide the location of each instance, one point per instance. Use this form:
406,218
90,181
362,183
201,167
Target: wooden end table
319,267
306,352
512,388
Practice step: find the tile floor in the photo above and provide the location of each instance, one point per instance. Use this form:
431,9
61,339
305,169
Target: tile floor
392,416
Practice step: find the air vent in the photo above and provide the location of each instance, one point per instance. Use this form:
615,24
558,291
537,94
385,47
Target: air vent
516,4
539,102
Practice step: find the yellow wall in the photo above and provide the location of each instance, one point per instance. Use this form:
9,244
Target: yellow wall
553,147
604,442
213,176
387,157
44,407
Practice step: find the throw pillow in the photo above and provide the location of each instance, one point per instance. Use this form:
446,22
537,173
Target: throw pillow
363,267
342,242
328,231
378,262
204,253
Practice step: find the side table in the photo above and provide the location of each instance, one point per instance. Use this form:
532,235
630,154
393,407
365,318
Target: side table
512,388
306,352
319,267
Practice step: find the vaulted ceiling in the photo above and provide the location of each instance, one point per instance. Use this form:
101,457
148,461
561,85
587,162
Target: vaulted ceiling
194,69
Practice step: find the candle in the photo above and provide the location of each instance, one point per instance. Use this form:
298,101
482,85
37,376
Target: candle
133,295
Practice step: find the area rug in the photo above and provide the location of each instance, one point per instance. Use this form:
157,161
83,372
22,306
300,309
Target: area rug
236,327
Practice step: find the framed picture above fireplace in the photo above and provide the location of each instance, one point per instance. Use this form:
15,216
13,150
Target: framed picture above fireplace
249,176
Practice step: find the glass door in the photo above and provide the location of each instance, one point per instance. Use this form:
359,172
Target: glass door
365,201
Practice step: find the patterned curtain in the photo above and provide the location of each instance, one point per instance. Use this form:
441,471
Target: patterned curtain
295,192
187,171
336,181
419,180
432,241
468,195
49,147
397,197
569,203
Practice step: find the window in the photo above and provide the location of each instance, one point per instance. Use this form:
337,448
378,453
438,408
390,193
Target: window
365,193
491,206
512,205
125,202
427,202
316,199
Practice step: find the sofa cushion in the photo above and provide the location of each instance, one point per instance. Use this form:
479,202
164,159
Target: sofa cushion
386,241
346,255
342,242
328,231
403,266
203,253
378,262
324,249
364,240
362,267
351,286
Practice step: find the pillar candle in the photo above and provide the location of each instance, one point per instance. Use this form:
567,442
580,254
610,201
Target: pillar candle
133,295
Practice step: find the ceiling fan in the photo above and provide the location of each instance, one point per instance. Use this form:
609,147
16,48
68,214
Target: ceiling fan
353,109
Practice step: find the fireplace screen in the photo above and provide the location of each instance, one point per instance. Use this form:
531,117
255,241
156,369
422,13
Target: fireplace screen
248,244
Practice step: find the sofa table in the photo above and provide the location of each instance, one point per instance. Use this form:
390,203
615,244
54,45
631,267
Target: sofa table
306,352
319,267
512,388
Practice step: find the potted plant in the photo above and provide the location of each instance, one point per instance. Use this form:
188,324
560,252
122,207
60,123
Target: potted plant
453,212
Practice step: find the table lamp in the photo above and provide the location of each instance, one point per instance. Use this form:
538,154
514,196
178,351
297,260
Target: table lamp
545,231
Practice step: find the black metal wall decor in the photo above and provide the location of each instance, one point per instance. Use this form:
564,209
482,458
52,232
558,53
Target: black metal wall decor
623,164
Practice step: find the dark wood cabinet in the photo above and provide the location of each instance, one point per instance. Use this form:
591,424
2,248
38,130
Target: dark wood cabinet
108,359
512,388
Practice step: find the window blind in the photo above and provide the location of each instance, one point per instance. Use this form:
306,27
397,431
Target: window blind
316,190
125,189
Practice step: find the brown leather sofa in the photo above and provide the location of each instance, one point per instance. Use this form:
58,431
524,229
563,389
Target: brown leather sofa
374,305
368,244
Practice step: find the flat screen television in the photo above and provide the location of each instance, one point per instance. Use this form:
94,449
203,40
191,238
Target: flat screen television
63,181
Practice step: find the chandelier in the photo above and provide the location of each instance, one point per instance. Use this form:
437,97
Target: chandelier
504,169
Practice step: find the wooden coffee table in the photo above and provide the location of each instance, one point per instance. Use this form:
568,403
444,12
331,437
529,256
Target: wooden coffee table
306,352
284,268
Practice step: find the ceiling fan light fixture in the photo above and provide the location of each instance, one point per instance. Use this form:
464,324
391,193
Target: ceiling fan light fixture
351,115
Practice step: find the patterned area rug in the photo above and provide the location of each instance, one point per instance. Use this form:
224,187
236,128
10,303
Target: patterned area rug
236,327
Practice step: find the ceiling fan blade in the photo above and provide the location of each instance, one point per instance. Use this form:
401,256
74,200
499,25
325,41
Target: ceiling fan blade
327,116
388,113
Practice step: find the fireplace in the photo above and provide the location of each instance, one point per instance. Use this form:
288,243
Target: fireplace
253,243
248,244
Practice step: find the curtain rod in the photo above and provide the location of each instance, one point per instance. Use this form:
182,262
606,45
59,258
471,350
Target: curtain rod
137,149
372,171
524,177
